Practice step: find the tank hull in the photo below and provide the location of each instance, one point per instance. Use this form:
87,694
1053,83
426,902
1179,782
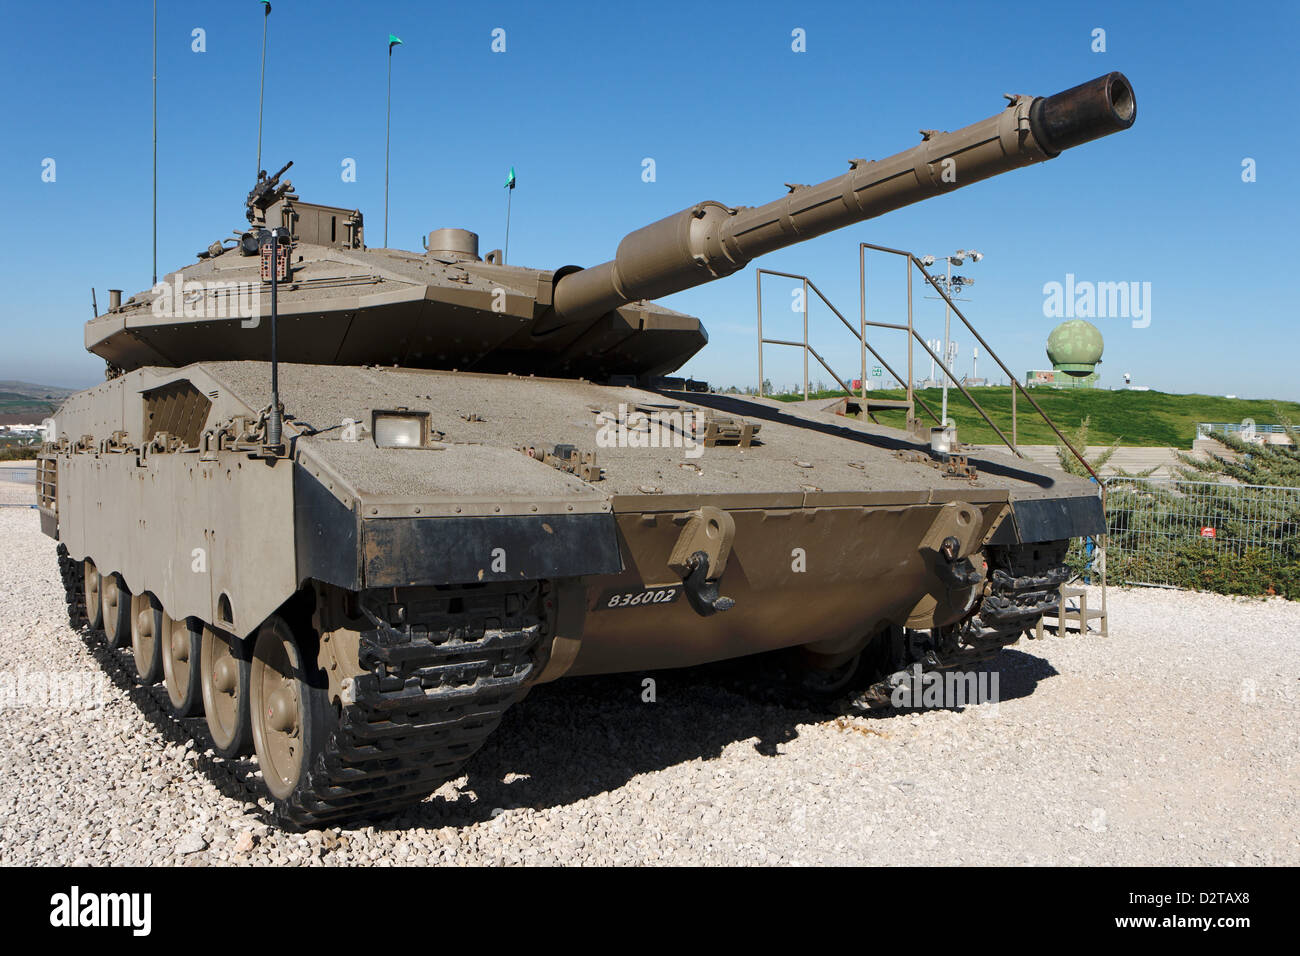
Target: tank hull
228,535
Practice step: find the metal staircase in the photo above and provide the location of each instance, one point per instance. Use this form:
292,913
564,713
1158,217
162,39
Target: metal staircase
861,401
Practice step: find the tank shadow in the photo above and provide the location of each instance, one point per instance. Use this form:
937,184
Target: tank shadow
584,736
590,735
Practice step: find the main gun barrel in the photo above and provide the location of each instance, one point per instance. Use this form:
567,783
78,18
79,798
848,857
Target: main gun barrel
709,241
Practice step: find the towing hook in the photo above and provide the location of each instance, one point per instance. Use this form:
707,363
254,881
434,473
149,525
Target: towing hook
701,592
954,571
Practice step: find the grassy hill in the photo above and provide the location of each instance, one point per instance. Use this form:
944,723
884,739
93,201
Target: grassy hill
27,389
25,403
24,409
1132,418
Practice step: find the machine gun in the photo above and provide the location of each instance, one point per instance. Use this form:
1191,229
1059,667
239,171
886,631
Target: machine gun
268,191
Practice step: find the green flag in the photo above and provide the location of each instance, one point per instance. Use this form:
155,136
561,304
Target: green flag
510,179
393,41
267,11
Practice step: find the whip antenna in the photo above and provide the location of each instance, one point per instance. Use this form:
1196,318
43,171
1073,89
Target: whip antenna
261,87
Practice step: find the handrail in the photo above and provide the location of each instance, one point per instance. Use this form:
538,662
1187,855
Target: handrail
1226,427
969,397
914,336
807,347
1016,388
804,345
817,355
810,284
1010,375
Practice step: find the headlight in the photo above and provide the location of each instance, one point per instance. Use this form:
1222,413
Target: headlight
400,430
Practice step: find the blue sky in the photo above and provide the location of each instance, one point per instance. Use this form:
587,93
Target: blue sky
714,93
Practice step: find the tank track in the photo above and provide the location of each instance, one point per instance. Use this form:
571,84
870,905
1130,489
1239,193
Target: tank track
433,690
74,592
1023,583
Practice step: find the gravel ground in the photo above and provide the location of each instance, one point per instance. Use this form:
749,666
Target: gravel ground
1175,741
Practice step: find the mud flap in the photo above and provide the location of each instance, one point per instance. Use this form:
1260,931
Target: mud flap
1051,519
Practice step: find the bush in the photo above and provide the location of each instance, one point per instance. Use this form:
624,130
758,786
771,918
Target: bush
1155,537
1206,565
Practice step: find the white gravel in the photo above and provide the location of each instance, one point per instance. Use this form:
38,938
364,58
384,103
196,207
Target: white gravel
1175,741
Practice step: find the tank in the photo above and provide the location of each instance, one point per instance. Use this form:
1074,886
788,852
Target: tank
351,504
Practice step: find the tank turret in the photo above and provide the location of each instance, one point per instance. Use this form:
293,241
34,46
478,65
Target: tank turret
342,303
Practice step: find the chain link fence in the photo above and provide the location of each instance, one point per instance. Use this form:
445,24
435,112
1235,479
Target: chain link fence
1207,536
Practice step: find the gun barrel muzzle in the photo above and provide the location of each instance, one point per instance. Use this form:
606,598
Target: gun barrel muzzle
1086,112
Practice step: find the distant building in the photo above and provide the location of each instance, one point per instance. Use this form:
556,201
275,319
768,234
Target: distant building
1249,432
22,431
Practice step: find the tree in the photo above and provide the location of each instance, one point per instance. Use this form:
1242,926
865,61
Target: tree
1071,465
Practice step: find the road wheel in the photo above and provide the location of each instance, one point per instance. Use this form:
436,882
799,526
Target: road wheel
225,693
182,646
91,586
289,706
115,602
146,628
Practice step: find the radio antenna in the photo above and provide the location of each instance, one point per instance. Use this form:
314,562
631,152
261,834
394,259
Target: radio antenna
155,142
261,86
393,40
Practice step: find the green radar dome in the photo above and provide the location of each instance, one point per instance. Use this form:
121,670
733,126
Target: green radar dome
1075,347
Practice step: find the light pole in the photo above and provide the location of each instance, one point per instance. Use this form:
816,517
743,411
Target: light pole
951,286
